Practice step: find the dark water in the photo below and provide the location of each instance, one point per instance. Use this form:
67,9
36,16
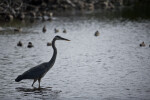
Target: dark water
111,66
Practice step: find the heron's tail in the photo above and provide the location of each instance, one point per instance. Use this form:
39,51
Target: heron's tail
19,78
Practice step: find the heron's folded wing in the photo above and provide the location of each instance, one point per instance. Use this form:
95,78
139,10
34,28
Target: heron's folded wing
35,72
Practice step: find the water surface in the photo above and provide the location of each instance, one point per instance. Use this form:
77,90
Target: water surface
111,66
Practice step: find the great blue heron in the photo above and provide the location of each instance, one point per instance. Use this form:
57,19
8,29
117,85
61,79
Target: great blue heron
37,72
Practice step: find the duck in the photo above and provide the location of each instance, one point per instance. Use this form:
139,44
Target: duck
142,44
49,43
44,29
43,18
30,45
19,44
64,31
44,13
90,6
97,33
19,29
39,15
50,15
9,17
32,14
21,16
56,30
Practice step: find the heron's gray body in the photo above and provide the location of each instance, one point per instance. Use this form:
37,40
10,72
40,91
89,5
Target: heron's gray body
39,71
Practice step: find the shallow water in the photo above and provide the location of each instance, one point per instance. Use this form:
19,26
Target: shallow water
111,66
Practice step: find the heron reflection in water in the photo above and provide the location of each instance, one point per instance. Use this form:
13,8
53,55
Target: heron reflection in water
38,72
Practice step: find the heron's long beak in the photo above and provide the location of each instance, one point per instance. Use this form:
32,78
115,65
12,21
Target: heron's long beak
65,39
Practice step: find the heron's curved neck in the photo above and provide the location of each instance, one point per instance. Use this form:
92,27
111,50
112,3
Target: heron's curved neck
52,61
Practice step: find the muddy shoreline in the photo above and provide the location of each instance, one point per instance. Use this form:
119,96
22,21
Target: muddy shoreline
35,9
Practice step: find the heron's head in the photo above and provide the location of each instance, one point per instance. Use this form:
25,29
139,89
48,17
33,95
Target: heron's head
60,38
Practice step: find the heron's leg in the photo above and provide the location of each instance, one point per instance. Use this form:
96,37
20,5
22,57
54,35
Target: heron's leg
39,80
34,81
